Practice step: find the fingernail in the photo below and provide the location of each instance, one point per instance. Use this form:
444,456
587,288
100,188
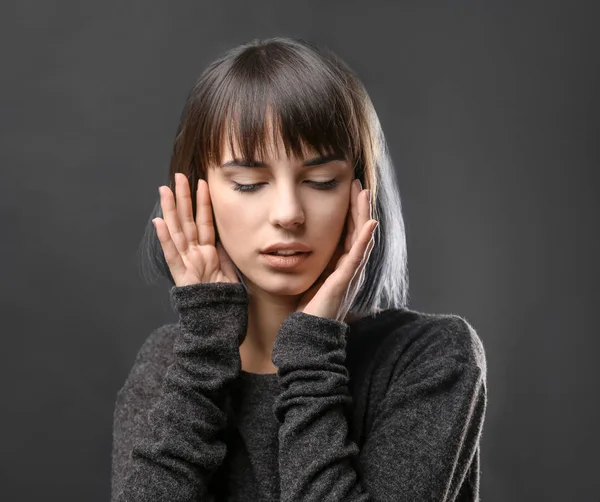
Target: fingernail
358,183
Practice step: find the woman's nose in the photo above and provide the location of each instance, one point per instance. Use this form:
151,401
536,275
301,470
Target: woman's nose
287,210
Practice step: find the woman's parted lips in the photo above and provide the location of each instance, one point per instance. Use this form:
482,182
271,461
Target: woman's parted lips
298,247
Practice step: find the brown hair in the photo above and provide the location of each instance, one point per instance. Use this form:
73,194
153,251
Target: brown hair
279,79
311,99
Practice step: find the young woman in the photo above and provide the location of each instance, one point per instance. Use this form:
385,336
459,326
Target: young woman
301,377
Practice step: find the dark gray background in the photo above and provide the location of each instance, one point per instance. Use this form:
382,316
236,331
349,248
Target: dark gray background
491,114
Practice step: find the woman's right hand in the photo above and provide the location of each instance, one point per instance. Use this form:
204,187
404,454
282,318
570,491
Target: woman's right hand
188,245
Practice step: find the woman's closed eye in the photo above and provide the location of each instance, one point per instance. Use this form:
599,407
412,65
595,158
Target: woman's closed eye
320,185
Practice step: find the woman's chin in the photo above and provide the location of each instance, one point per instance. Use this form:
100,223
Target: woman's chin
290,285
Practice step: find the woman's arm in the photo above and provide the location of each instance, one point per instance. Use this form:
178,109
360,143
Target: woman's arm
175,455
424,436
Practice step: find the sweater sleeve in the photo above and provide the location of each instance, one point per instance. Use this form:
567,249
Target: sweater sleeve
182,445
425,433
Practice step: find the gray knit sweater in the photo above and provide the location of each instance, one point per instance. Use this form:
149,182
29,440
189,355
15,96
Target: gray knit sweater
387,408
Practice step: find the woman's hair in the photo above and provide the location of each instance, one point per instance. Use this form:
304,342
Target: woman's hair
312,99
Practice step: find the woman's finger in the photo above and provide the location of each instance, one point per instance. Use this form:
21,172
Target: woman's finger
204,216
351,262
363,250
358,278
184,208
354,207
364,209
226,263
170,217
172,256
349,232
356,281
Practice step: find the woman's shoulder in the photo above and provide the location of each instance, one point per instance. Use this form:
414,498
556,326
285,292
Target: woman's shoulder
151,361
403,337
450,336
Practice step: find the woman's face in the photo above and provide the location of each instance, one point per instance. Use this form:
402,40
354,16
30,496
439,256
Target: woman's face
286,205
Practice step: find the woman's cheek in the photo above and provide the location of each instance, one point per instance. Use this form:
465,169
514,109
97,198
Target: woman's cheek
338,213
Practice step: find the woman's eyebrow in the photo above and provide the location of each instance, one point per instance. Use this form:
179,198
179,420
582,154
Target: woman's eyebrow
316,161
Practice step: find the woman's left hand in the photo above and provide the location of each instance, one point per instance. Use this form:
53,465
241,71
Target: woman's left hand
333,293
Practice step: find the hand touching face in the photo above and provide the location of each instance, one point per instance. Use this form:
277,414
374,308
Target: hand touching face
280,199
335,291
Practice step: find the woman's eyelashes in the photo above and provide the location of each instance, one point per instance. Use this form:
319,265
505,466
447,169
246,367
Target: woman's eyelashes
319,185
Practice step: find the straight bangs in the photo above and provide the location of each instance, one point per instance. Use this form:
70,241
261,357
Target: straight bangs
272,96
288,92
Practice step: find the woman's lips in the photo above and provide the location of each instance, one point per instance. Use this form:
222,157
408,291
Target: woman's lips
285,262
